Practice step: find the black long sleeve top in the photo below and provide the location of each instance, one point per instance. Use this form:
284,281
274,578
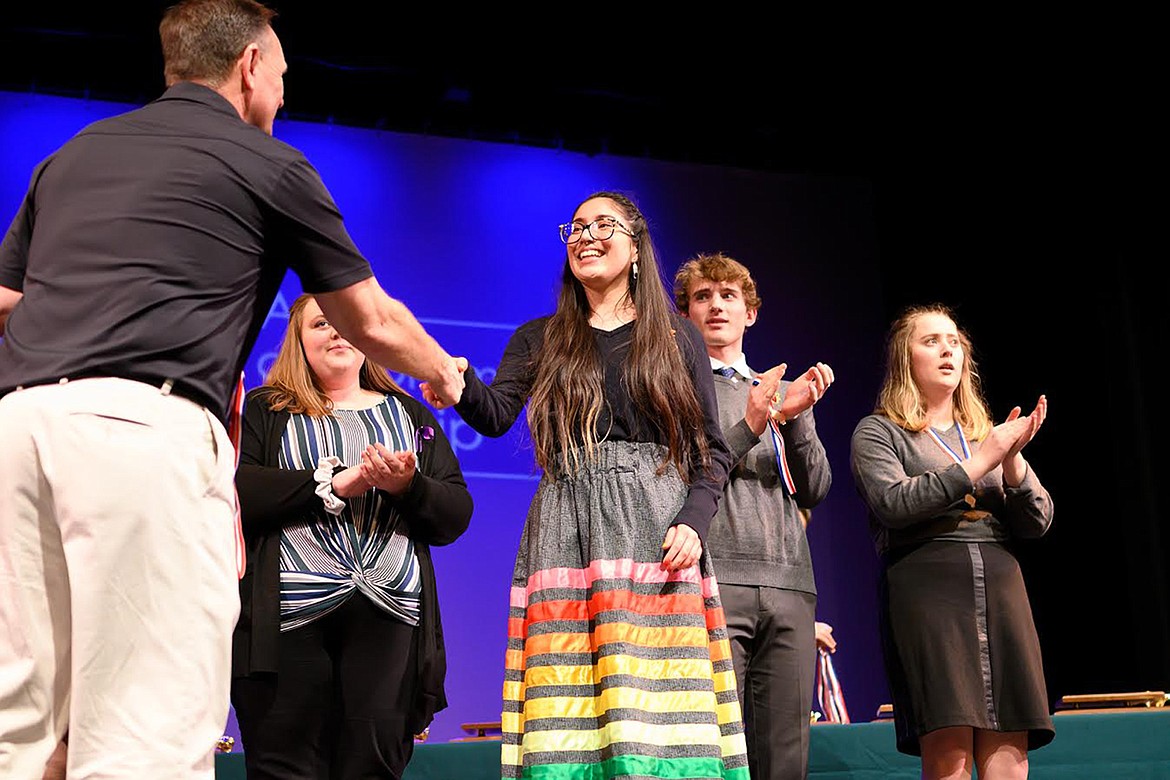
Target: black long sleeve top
491,409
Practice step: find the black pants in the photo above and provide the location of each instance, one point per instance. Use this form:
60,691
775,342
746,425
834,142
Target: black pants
338,706
772,633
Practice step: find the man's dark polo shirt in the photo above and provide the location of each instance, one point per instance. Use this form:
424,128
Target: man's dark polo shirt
151,245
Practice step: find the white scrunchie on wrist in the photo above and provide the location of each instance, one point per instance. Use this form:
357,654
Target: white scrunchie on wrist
324,477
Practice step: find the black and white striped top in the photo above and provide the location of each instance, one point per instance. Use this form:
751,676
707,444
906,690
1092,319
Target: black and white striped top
328,558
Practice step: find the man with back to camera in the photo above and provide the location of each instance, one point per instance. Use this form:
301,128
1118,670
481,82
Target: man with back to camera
133,281
757,540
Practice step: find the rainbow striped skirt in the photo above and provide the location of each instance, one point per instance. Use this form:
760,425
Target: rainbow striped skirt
616,667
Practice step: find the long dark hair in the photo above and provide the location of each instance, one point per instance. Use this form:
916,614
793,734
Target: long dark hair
568,393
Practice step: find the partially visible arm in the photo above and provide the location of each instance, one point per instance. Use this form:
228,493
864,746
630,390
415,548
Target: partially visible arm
385,330
1015,468
491,409
706,488
811,472
269,496
1028,507
14,257
311,234
8,300
437,505
897,487
824,637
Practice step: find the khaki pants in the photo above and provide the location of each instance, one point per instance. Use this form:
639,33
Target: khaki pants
118,581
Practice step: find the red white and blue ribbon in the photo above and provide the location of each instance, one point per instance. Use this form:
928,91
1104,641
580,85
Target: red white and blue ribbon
946,448
777,438
235,430
781,458
969,498
830,697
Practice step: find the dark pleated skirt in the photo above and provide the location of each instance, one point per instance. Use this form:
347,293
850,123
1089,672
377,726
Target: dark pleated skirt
959,644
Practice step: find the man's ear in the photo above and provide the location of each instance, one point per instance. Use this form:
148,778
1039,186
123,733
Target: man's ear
248,64
750,317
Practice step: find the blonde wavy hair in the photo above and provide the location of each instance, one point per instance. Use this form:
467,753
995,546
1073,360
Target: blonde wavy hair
900,399
294,387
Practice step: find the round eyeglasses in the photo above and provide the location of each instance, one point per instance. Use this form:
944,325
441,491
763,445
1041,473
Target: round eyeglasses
599,230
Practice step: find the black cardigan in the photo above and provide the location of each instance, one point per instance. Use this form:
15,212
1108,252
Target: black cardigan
437,508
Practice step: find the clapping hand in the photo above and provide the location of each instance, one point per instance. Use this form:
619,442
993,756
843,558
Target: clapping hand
1003,445
1014,466
1009,437
387,470
804,392
350,482
1035,420
763,394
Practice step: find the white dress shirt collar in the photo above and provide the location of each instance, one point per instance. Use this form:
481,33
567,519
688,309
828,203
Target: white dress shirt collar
740,366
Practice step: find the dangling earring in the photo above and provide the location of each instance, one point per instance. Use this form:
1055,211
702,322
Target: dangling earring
635,270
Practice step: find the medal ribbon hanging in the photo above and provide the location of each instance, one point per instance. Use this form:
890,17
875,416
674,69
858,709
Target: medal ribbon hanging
781,459
777,441
946,447
969,498
828,688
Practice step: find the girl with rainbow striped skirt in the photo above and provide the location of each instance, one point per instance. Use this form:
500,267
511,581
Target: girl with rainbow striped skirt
618,664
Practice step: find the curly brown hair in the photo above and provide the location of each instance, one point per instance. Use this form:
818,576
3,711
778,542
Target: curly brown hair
716,267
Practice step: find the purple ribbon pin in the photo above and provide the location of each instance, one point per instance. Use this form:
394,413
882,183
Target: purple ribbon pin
422,433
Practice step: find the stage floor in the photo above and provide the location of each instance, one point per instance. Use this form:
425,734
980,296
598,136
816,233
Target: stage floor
1132,745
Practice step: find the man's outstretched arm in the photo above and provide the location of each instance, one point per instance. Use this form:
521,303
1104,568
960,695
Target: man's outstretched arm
388,333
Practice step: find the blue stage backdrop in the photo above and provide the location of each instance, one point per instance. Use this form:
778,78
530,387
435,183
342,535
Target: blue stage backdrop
464,232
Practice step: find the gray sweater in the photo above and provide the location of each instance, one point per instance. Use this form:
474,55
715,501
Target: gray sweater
916,492
757,536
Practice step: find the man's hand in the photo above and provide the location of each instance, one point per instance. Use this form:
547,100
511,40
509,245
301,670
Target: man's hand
765,388
804,392
448,388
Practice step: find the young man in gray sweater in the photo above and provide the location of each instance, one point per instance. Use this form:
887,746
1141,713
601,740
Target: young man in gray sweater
757,539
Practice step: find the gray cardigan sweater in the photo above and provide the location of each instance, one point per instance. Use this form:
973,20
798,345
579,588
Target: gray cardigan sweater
916,492
757,536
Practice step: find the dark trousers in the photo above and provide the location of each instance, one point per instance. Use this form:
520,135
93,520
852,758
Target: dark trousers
772,633
337,708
